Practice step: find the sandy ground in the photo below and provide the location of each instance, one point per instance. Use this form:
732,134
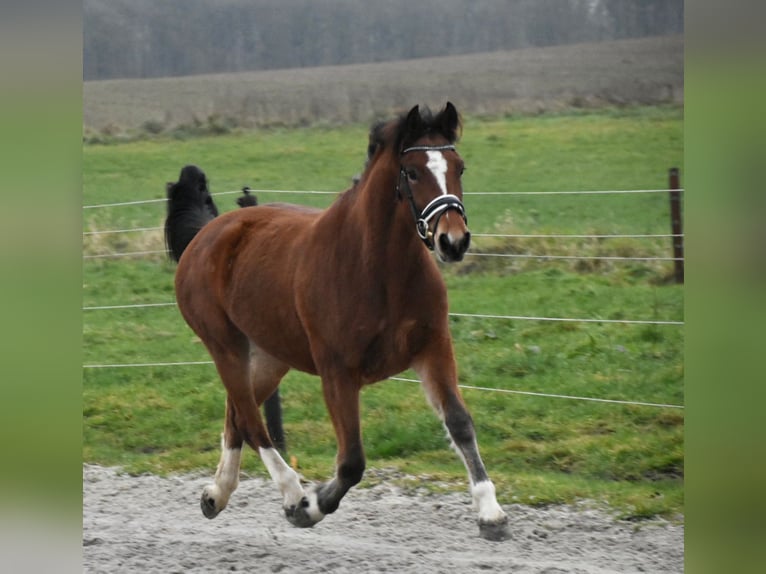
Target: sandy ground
153,524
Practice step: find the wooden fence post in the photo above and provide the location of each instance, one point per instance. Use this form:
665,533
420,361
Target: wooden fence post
676,224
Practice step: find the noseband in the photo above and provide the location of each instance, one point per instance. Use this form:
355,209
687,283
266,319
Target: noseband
436,207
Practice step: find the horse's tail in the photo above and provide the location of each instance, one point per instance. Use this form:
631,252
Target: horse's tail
190,207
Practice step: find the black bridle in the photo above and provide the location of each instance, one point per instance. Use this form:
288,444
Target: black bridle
436,207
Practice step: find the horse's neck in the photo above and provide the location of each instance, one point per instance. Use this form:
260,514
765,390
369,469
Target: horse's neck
374,222
369,242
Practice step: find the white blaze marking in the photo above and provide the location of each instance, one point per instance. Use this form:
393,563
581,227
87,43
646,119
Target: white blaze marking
438,166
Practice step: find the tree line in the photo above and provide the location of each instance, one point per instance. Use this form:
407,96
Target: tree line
150,38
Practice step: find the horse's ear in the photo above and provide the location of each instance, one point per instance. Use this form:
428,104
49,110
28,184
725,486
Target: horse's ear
450,121
413,122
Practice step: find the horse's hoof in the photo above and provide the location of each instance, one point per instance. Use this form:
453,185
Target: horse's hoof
495,531
207,504
306,513
298,514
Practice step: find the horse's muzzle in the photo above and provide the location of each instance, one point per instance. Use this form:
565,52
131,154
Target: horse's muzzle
451,249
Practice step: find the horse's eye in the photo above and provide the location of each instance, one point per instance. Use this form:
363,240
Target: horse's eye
462,170
412,175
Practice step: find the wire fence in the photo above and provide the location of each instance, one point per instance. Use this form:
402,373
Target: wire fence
452,314
468,254
495,235
480,316
320,192
406,380
572,257
542,256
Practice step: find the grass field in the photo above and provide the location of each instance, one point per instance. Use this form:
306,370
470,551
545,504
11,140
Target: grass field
537,449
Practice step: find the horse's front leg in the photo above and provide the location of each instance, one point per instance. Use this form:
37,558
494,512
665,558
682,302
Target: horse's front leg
300,506
438,373
306,508
341,396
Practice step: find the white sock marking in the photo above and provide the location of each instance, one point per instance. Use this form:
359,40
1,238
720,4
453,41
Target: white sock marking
438,166
227,475
486,504
284,476
313,508
289,483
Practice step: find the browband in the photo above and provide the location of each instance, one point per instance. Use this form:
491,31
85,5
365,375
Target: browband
447,147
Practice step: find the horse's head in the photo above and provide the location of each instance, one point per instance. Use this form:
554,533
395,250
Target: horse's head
429,179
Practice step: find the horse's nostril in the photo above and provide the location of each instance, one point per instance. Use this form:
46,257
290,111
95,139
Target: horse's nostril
444,242
453,250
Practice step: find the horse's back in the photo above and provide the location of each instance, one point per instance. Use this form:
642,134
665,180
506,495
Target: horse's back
244,232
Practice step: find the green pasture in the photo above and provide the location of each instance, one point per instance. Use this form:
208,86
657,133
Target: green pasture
538,449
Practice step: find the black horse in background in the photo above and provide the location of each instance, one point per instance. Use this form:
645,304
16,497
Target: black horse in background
190,207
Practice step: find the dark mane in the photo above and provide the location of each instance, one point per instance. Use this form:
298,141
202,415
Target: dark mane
400,133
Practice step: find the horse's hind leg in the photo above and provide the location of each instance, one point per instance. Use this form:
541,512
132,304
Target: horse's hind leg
247,382
230,351
299,507
215,496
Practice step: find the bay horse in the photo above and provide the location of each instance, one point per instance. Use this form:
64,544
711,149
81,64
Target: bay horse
351,294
